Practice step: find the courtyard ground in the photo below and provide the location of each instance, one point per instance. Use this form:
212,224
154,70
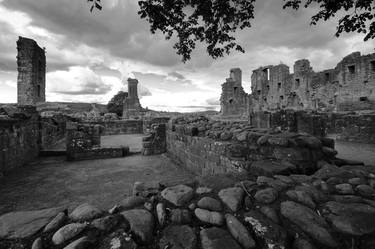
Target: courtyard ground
52,182
356,151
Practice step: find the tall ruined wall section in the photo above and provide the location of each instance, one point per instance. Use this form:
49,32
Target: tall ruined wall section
31,82
349,86
234,101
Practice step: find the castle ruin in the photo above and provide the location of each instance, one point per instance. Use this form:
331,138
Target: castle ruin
132,106
31,82
348,87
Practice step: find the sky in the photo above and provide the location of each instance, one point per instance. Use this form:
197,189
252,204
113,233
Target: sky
91,55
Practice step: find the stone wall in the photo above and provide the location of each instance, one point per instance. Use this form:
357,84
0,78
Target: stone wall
234,100
213,147
117,127
19,138
52,130
349,86
293,121
83,142
155,142
352,127
31,82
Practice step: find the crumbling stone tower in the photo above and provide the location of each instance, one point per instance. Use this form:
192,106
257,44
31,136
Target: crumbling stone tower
234,100
132,106
31,82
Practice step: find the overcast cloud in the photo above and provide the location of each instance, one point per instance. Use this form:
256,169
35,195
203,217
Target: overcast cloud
90,55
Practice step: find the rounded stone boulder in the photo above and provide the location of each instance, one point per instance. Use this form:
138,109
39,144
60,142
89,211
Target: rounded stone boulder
85,212
232,197
56,222
180,216
67,232
161,214
178,237
141,223
178,195
81,243
267,195
210,204
214,218
239,232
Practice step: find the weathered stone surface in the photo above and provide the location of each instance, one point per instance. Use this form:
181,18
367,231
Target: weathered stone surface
67,232
210,217
18,225
273,236
302,244
56,223
365,190
239,232
178,237
232,197
309,221
216,238
203,190
178,195
301,197
344,188
81,243
117,240
180,216
161,214
106,223
37,244
267,195
210,204
141,223
270,213
132,202
270,168
85,212
351,218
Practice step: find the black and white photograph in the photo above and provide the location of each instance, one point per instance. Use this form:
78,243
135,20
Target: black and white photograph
187,124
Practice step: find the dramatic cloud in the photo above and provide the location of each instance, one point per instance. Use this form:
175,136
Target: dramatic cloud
90,55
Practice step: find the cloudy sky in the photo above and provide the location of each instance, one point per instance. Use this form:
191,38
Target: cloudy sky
90,55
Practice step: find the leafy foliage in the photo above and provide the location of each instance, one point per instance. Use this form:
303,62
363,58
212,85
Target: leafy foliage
116,104
358,16
95,4
215,22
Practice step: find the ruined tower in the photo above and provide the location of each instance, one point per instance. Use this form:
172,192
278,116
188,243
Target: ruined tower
132,106
31,82
234,100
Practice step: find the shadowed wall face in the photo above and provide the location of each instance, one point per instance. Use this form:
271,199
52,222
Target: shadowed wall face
31,82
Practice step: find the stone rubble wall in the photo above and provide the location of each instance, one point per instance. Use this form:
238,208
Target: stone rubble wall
19,138
83,142
215,147
52,130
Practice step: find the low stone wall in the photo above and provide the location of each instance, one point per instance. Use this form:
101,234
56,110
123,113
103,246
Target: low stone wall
83,142
117,127
214,147
293,121
148,122
19,138
352,127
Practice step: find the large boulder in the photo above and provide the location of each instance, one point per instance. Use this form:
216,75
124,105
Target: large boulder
216,238
210,204
211,217
67,232
272,235
351,218
239,232
178,237
308,221
141,223
232,197
178,195
19,225
85,212
270,168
